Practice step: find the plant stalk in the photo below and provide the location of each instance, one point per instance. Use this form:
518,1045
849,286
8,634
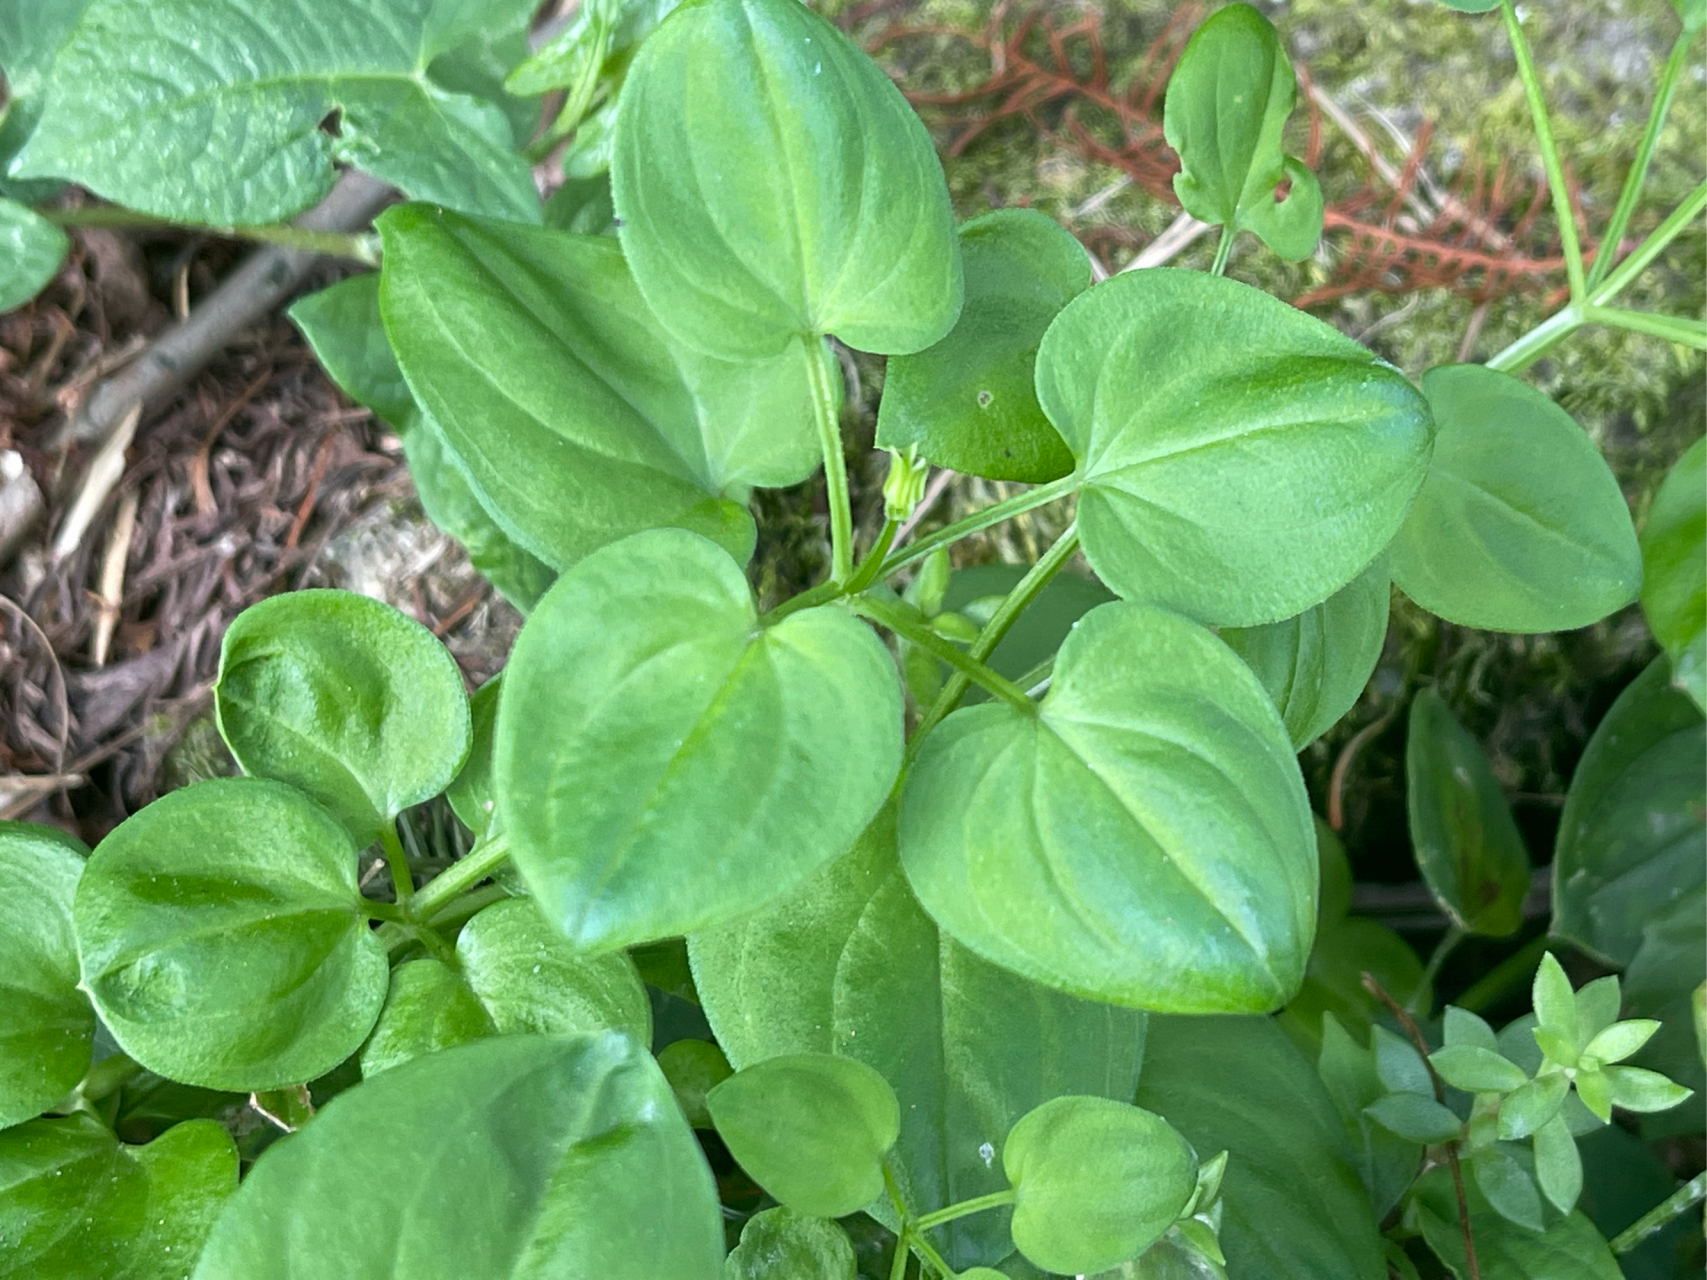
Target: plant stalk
995,1200
336,244
825,406
1223,251
978,521
1673,1206
1674,224
1679,329
462,874
1638,175
865,573
402,882
1549,152
967,668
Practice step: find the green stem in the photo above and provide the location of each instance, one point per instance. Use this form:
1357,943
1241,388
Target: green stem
336,244
1539,340
1036,578
459,909
968,669
1425,988
463,874
1223,250
1633,181
995,1200
398,864
1515,970
978,521
923,1248
1675,223
1549,152
825,402
866,572
1680,329
1675,1205
898,1264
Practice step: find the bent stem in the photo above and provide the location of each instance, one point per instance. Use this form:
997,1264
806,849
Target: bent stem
1549,152
866,571
481,861
1411,1029
995,1200
967,668
1673,1206
1024,592
978,521
402,882
825,410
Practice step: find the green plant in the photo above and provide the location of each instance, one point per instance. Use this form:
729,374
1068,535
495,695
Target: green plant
988,983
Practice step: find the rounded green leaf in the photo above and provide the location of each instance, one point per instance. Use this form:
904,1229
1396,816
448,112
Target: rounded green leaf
1520,525
31,249
1462,833
575,416
530,981
1558,1167
344,698
1241,461
780,1244
470,792
663,763
1475,1069
1415,1117
1527,1109
1631,837
811,1128
521,1156
1674,579
189,113
694,1068
825,970
223,937
46,1024
969,403
772,183
1096,1182
76,1203
1227,103
1294,1206
1638,1089
1315,665
1509,1187
428,1007
1143,837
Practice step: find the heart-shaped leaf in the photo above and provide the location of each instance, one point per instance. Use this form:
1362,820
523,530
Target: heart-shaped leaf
576,418
428,1007
969,403
1674,581
31,37
826,969
1143,837
1315,665
812,1129
75,1202
1096,1182
780,1244
1631,837
566,1156
344,698
1520,525
223,937
343,325
655,744
178,110
1294,1208
1226,106
31,249
46,1024
772,183
1241,461
1462,833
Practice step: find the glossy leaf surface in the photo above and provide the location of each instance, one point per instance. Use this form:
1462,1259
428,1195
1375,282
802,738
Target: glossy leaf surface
344,698
32,32
1295,1209
1462,832
223,938
1520,525
1631,837
470,792
46,1024
569,1159
780,1244
576,418
1241,461
1097,1182
812,1129
176,109
428,1007
343,325
829,967
1143,837
1227,103
654,746
31,249
772,183
1674,581
1316,664
969,403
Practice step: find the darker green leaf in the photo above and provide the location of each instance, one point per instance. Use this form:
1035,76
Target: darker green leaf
31,249
780,1244
1674,581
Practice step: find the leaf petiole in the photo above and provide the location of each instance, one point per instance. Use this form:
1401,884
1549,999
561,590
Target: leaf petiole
995,1200
1549,152
968,669
1673,1206
1223,251
402,881
978,521
819,361
463,874
334,244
